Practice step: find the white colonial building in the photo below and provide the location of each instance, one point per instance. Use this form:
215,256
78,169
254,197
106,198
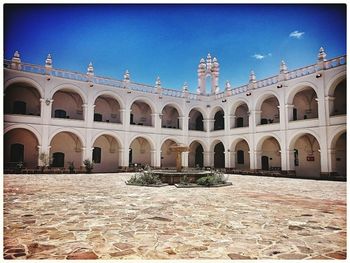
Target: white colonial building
294,122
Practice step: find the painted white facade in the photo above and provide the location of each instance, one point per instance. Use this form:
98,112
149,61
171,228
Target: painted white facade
161,117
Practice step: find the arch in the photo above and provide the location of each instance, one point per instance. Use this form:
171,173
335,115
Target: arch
20,145
201,142
146,100
307,157
168,157
174,105
26,80
237,140
299,134
214,143
107,151
141,153
170,116
339,154
241,116
170,138
111,94
333,83
297,88
215,110
195,120
68,130
196,154
219,154
261,140
238,103
335,136
305,104
107,107
26,127
147,138
266,95
199,109
70,87
112,134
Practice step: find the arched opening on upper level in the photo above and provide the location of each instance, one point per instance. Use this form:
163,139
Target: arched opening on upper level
219,120
141,113
107,109
305,104
168,157
20,146
66,148
241,115
170,117
195,121
339,104
22,98
269,109
105,154
67,104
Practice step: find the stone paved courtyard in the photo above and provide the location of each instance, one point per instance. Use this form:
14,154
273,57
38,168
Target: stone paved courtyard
98,216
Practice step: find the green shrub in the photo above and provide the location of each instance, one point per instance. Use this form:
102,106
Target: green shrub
88,165
212,179
145,178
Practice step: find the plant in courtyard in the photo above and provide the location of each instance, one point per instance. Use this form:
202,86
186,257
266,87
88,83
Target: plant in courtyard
19,167
88,165
211,179
184,180
71,167
145,177
45,161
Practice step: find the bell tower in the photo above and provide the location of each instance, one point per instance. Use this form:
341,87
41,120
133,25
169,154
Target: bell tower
208,68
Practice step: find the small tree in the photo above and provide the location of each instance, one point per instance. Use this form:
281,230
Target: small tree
71,167
45,161
88,165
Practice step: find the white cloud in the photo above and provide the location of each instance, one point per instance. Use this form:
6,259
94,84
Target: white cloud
296,34
261,56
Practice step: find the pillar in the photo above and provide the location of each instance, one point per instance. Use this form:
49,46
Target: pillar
208,161
121,157
156,120
254,118
233,121
227,158
329,107
183,123
156,158
289,112
122,115
185,159
332,160
257,160
233,156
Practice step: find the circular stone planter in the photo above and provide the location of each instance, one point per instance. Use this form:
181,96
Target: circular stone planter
173,177
202,186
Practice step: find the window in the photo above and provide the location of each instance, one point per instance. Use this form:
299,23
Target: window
58,159
219,121
97,117
240,157
96,155
199,123
263,121
295,114
19,107
17,153
239,122
60,114
132,118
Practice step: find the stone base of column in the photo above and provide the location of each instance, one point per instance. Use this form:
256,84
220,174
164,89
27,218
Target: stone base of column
289,173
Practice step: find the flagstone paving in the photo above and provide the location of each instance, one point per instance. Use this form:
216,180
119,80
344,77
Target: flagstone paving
97,216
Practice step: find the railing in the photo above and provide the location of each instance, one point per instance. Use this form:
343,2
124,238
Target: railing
297,73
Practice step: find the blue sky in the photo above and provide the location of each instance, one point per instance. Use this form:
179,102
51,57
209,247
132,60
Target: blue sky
169,40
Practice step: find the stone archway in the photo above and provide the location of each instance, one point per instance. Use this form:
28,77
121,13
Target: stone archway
195,155
105,154
141,152
168,157
219,155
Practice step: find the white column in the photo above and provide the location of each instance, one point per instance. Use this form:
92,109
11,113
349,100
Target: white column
207,158
227,123
155,158
185,159
257,159
45,110
183,123
331,159
126,119
233,121
254,118
156,120
233,159
329,107
227,158
289,113
289,155
121,157
122,115
252,160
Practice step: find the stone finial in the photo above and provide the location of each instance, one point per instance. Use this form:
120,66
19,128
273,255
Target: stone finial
322,55
16,57
127,76
48,61
158,83
185,87
90,70
283,67
209,61
228,85
252,77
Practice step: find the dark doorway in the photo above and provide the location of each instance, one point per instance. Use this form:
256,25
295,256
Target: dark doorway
97,117
199,123
295,114
19,107
219,156
58,159
132,118
240,157
239,122
96,155
60,114
264,163
130,156
219,121
17,153
198,160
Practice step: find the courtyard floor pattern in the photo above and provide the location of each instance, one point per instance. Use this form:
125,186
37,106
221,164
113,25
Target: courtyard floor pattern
97,216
